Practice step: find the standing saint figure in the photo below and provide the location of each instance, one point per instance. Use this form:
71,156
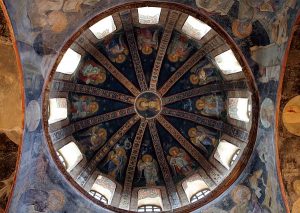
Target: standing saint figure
148,166
180,161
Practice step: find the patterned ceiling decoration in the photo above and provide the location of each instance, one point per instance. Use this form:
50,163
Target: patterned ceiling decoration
148,107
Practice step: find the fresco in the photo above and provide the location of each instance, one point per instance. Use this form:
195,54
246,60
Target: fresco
212,105
42,27
290,116
92,73
11,111
288,125
83,106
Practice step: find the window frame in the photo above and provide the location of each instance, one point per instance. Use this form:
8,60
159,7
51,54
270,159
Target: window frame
98,196
145,208
199,195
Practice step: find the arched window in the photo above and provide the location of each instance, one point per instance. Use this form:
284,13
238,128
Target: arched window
61,159
193,186
71,155
149,199
234,157
149,15
195,28
149,208
103,27
227,63
99,196
225,153
239,109
104,187
69,62
58,110
199,195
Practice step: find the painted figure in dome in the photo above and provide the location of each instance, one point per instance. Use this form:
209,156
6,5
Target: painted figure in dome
202,138
201,76
149,167
179,49
92,73
116,161
83,106
180,161
147,41
116,49
144,104
212,105
96,136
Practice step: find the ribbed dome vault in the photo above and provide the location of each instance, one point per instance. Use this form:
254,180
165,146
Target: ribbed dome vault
149,109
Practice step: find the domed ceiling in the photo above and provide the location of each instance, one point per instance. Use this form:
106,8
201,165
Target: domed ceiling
153,99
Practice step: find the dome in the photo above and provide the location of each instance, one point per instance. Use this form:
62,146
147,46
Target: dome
150,109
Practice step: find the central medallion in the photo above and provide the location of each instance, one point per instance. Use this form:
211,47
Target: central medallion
148,104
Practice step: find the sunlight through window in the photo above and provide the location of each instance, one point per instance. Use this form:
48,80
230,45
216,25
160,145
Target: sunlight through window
149,15
225,153
193,185
69,62
238,109
71,154
105,187
195,28
103,27
58,110
227,63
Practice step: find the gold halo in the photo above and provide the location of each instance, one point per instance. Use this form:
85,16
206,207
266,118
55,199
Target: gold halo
174,148
103,77
123,152
173,57
147,156
147,50
194,79
245,33
120,58
192,132
103,131
139,105
95,104
200,103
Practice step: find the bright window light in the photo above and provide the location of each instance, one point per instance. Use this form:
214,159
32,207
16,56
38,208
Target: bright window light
58,110
238,109
227,63
71,154
192,185
150,196
105,187
225,152
195,28
103,27
69,62
149,15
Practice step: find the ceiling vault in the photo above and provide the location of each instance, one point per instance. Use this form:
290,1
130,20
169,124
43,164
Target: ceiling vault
63,86
164,42
128,28
126,194
170,186
84,43
209,46
79,125
209,122
212,172
203,90
92,164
